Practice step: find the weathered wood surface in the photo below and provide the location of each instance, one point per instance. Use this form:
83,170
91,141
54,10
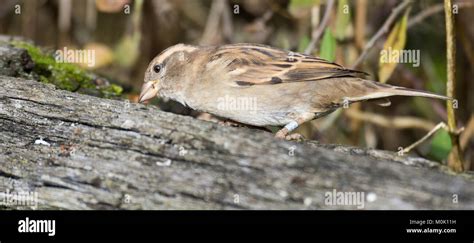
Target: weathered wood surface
83,152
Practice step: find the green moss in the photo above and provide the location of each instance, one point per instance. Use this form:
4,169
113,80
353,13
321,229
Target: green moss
65,76
111,90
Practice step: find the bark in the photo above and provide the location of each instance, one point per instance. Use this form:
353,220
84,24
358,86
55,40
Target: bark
82,152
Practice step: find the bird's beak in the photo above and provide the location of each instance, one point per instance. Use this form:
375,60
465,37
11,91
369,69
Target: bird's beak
149,90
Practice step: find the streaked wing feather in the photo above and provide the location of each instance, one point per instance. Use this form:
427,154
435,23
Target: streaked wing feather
251,64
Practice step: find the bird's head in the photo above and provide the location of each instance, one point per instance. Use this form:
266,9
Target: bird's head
163,70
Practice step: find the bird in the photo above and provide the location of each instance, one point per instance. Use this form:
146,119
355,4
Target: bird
259,85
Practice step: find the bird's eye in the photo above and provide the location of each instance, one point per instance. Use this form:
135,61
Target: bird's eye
157,68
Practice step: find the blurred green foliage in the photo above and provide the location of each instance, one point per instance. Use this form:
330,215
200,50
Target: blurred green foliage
304,42
343,19
328,46
440,145
302,3
395,43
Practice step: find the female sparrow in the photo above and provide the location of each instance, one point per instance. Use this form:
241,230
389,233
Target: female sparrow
260,85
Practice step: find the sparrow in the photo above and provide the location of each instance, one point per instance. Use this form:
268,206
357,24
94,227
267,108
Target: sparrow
260,85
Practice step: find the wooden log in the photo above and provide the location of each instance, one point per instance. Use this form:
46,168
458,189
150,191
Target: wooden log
82,152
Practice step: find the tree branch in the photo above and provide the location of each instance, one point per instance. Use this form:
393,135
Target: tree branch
402,122
432,10
316,35
383,30
455,157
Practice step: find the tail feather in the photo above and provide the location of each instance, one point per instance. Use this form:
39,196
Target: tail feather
413,92
385,90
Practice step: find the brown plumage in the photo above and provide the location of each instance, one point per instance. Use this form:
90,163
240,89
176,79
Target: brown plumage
260,85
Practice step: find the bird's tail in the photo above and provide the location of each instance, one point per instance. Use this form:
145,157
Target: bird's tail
396,90
380,92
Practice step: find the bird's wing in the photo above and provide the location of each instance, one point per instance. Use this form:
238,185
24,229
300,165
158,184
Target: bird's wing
250,64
